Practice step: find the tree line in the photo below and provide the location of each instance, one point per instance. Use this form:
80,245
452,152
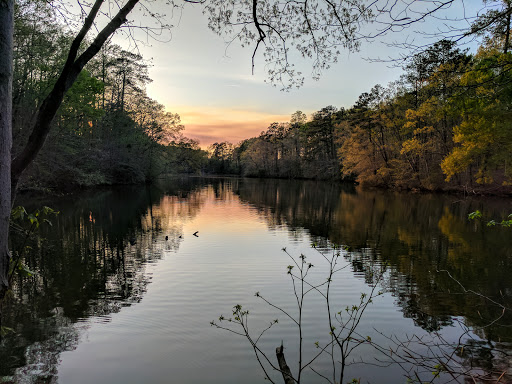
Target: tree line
107,130
441,125
444,124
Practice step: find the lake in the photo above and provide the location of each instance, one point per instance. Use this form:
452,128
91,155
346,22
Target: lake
125,289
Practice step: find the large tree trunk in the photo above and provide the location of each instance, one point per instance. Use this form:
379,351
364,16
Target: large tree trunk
6,73
72,68
11,170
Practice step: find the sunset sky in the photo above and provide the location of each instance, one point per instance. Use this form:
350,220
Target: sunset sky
211,86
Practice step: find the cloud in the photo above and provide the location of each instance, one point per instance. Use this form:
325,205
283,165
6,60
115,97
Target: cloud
216,125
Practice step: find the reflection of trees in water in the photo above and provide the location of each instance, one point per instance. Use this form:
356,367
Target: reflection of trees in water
91,264
488,357
298,205
417,236
37,361
94,259
403,288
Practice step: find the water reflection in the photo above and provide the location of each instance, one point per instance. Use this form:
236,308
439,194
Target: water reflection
89,263
417,235
94,259
438,260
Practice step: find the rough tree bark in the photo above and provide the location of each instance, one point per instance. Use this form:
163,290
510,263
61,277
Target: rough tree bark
6,73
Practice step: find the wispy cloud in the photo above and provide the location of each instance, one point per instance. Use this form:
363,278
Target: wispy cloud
215,125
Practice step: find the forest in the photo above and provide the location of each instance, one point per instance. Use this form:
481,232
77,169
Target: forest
82,117
444,124
108,130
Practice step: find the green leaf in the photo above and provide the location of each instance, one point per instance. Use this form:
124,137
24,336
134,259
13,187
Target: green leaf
24,271
4,331
18,213
33,219
48,210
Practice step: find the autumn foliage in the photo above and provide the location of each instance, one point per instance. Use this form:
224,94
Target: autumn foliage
442,125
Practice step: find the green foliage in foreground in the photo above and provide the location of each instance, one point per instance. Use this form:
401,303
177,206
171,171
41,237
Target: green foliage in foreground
430,357
477,215
341,336
23,226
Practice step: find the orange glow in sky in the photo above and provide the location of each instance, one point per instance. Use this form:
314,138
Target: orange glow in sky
210,81
225,124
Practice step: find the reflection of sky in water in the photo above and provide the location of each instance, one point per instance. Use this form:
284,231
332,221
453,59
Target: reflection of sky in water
166,336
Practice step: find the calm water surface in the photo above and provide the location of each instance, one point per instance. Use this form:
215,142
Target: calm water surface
125,292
